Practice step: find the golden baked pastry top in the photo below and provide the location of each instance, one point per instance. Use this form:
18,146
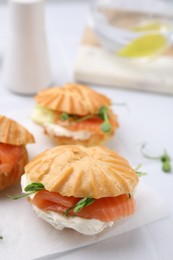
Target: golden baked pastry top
75,170
13,133
72,99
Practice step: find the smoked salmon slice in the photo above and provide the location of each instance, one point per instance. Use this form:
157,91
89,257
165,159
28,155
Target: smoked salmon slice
104,209
11,164
9,154
92,124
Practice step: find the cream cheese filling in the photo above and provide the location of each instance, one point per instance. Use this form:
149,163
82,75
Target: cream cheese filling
84,226
60,221
57,130
45,117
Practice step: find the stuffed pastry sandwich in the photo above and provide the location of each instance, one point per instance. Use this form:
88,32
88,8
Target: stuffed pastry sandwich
85,189
75,114
13,153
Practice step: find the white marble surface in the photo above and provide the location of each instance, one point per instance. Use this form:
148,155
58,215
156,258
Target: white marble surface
149,118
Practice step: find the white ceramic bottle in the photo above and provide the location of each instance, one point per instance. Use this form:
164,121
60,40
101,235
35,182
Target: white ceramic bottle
26,66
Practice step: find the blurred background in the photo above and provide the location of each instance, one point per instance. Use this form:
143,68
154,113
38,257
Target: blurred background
62,45
104,42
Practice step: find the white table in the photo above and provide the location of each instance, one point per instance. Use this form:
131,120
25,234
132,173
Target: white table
148,119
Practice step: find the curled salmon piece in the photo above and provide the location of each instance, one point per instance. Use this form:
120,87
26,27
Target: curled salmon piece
13,154
91,125
13,158
103,209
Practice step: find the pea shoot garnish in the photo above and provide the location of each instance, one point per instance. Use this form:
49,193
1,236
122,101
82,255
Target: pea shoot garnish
139,173
103,114
29,189
64,116
80,205
164,158
1,237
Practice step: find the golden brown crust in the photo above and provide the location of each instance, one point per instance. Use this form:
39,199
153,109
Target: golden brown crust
72,99
13,133
75,170
11,178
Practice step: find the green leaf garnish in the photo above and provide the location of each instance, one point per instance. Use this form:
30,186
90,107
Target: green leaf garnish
80,205
103,114
30,189
105,127
166,165
83,203
102,111
164,158
64,116
139,173
34,186
1,237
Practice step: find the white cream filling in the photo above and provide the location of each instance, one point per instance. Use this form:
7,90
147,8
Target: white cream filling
84,226
24,182
57,130
59,221
45,117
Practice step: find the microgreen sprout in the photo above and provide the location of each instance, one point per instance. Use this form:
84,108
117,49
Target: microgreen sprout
139,173
103,114
164,158
80,205
29,189
64,116
1,237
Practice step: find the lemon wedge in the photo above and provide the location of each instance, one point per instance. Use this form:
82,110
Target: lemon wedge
144,46
152,26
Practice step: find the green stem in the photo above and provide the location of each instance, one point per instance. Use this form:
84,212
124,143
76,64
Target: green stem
106,118
85,118
138,166
148,156
30,189
103,114
67,210
16,197
80,205
164,158
140,173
